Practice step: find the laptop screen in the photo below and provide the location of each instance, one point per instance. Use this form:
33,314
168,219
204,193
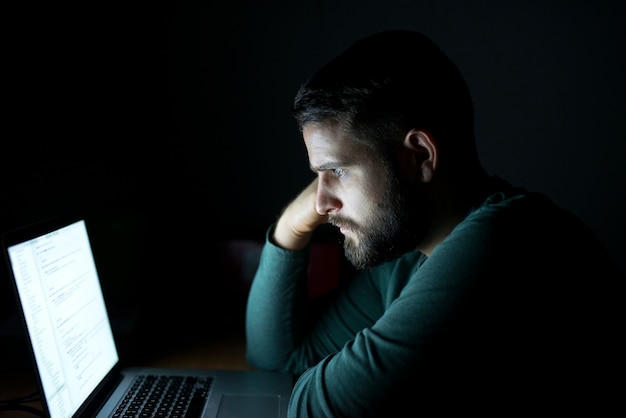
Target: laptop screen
64,311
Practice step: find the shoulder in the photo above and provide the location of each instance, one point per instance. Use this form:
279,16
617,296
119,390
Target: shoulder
514,212
516,230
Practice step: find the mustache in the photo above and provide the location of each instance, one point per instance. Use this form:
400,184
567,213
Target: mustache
337,221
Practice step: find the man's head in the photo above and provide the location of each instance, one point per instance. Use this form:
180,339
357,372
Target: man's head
386,84
378,120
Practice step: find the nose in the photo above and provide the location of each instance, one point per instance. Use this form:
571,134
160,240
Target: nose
325,201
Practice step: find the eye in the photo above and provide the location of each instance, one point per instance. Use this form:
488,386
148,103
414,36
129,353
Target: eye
339,172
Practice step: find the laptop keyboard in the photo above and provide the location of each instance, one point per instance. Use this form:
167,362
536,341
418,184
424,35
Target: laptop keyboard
165,396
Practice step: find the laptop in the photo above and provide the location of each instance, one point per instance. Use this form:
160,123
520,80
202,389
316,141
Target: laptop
75,355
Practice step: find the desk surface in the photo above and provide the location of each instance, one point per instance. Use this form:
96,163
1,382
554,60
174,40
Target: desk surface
225,352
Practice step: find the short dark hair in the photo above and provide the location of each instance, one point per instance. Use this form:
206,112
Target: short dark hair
386,84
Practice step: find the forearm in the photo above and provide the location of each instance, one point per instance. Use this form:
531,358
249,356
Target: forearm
277,307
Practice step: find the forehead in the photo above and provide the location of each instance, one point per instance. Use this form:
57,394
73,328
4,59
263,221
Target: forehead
328,144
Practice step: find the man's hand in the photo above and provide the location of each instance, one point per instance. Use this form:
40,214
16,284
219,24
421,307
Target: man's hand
298,220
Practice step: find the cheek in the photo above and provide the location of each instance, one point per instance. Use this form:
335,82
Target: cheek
364,198
375,187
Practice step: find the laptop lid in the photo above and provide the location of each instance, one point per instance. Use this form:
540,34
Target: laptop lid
63,310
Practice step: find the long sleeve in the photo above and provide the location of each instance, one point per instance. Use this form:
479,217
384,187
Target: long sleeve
469,326
277,307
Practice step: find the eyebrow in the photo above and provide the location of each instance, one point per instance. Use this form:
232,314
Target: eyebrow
343,161
327,166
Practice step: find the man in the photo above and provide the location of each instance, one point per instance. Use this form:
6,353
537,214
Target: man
470,294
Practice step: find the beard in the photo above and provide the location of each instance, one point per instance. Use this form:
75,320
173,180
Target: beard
391,231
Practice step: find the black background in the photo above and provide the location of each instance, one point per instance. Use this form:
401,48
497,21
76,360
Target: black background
167,121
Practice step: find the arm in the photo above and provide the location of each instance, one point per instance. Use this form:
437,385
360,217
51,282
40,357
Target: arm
278,304
363,345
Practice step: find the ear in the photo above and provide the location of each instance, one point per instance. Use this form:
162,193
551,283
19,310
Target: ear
420,155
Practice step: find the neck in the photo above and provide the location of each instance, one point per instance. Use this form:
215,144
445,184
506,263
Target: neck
451,200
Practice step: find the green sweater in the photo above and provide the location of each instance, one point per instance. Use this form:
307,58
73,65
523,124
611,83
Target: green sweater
510,309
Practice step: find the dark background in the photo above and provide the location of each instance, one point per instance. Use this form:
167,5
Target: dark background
169,121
